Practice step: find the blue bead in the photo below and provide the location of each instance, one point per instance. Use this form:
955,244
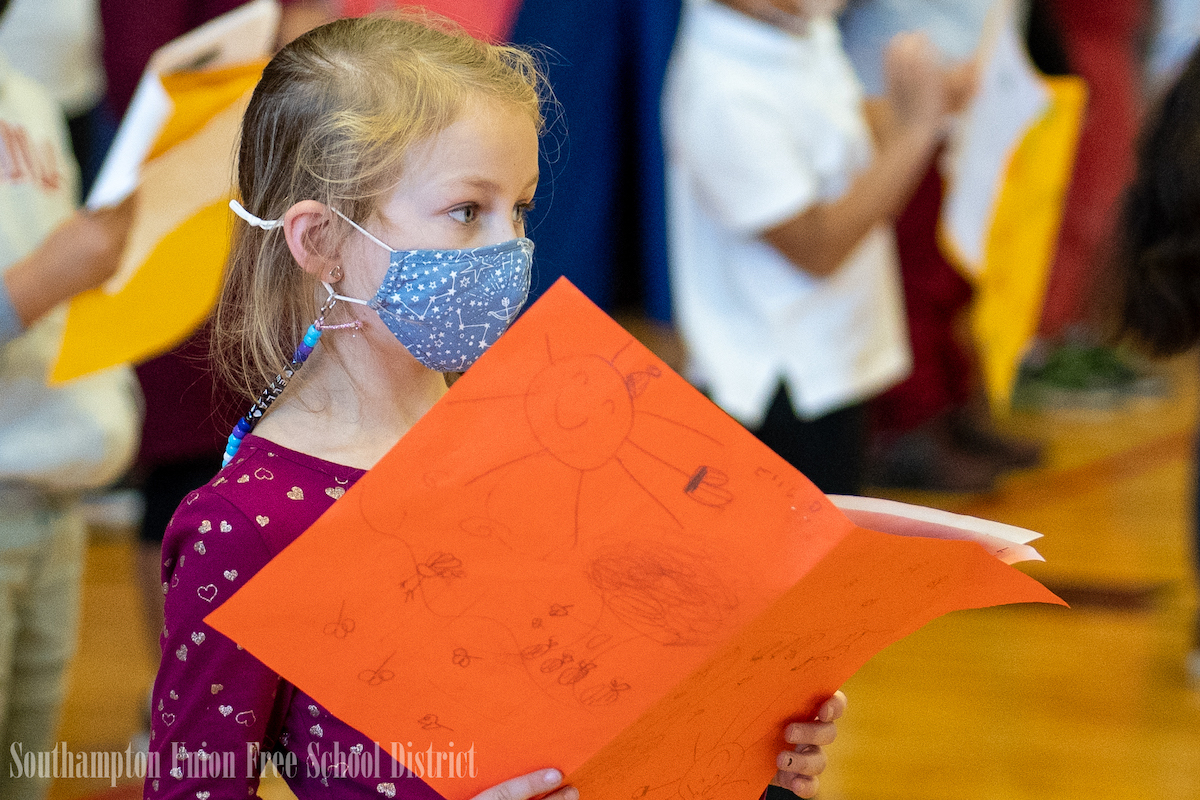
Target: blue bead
232,448
244,426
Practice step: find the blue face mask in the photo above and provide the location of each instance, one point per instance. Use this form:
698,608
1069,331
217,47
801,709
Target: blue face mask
447,306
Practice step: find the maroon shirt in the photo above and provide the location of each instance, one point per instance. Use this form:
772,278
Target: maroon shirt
211,698
188,412
134,29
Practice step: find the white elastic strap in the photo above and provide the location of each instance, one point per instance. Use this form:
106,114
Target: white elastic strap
335,296
364,231
258,222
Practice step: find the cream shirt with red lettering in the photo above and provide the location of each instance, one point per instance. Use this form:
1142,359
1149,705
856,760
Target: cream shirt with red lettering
76,435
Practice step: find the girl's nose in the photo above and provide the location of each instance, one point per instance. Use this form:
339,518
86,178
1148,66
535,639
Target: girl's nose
508,230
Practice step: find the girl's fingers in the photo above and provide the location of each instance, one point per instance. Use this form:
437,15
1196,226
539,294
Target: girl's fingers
534,784
805,733
799,785
809,761
799,768
833,708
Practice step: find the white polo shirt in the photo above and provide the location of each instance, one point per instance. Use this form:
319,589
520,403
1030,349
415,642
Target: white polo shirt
760,124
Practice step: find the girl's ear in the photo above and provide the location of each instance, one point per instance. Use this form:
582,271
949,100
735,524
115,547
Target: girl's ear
307,229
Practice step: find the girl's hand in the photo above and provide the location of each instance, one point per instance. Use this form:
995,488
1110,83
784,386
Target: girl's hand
916,82
800,766
534,784
962,81
81,253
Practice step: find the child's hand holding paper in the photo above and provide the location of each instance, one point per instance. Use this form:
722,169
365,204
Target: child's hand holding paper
799,767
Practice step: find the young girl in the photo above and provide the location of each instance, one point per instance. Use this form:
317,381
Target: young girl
373,148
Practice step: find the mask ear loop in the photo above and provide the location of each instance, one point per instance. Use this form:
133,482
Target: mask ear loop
303,350
364,232
251,219
330,302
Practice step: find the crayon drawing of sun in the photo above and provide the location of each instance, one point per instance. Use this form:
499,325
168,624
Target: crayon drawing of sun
597,449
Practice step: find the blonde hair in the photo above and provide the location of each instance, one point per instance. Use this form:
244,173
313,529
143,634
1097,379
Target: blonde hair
332,120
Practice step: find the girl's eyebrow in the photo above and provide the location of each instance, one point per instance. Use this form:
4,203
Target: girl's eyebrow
484,184
489,185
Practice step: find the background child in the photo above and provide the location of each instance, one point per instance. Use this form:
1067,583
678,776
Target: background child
933,430
54,441
784,273
364,136
1158,267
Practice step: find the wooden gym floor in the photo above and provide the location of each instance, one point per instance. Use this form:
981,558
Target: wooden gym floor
1016,703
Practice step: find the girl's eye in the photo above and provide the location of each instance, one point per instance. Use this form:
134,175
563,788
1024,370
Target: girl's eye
465,214
521,212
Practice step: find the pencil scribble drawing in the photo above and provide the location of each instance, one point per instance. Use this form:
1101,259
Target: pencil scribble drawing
341,627
438,565
429,722
665,593
374,677
605,695
461,658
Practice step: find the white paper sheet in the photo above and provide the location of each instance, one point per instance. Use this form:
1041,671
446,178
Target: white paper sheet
242,35
1010,98
1006,542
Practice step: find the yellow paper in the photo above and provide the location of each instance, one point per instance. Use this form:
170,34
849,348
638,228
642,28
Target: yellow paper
200,96
1009,99
1021,241
175,255
160,306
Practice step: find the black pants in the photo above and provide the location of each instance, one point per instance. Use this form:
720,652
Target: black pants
829,450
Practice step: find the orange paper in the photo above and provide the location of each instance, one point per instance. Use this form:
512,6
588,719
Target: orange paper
576,560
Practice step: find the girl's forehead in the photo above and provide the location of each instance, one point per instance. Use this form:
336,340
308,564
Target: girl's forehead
484,136
487,138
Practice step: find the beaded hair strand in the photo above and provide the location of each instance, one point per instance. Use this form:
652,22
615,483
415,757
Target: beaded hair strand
303,350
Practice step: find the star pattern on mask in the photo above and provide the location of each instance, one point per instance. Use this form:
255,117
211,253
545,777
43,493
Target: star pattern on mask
448,306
